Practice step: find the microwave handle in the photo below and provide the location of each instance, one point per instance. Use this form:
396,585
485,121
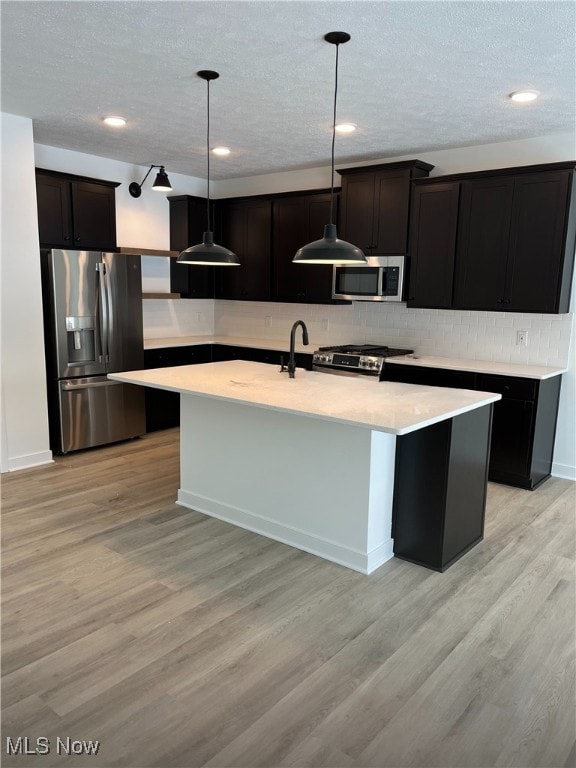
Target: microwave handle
380,288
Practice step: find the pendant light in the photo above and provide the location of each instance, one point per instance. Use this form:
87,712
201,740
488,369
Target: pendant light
331,250
207,253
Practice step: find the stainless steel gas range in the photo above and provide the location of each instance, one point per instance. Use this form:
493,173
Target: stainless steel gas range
355,359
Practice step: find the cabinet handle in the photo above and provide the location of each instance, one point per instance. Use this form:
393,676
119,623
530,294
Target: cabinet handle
77,239
499,301
66,237
506,301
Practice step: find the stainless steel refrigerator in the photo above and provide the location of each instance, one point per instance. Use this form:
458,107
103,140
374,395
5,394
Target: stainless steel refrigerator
92,326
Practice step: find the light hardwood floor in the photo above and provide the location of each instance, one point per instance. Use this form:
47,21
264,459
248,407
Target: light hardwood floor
178,640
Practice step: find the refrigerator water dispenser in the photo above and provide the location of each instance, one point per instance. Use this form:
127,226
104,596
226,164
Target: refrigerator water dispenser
80,336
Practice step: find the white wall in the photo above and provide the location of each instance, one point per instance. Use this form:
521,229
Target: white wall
545,149
24,417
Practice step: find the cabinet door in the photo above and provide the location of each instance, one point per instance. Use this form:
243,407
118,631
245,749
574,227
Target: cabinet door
297,221
512,436
433,244
246,229
187,225
391,207
536,256
485,216
357,213
94,215
163,407
54,211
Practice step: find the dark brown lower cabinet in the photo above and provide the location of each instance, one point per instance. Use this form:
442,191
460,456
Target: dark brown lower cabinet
162,407
440,489
524,423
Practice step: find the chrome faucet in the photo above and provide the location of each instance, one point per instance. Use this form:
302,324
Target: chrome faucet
292,361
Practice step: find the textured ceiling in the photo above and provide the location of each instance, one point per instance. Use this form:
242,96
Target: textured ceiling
415,76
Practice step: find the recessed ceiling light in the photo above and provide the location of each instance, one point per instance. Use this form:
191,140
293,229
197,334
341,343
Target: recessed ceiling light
523,96
222,151
115,121
345,127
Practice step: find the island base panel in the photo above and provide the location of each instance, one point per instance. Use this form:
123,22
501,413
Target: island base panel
318,485
440,489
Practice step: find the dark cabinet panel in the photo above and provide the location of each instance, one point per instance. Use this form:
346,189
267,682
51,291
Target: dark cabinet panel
486,206
54,211
376,206
163,407
429,377
245,228
93,215
537,251
432,251
357,215
187,225
524,423
222,352
74,212
297,221
516,243
441,516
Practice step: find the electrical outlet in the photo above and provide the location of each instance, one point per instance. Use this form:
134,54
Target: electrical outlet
522,338
324,323
268,321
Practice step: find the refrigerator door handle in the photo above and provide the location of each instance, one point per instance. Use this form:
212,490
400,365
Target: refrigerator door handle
110,320
71,387
103,309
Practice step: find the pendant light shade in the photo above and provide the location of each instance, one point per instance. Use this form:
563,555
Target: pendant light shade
331,250
207,253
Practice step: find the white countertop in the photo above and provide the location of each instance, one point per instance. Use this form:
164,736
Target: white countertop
362,401
282,345
520,370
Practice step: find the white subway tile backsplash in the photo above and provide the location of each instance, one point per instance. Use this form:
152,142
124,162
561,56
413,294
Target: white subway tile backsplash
444,333
448,333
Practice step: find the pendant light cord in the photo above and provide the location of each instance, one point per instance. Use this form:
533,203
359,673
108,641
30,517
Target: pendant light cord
333,140
208,154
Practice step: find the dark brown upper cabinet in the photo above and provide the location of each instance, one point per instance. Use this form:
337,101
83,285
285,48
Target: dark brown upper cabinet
513,244
375,206
245,227
187,224
298,220
75,212
499,240
432,252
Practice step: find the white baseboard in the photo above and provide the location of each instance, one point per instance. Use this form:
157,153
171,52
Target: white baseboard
564,470
29,460
358,561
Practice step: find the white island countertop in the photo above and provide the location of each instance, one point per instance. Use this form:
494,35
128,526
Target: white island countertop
362,401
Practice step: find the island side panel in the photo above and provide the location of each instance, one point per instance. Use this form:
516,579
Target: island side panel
321,486
440,489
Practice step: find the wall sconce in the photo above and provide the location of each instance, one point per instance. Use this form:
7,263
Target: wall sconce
162,183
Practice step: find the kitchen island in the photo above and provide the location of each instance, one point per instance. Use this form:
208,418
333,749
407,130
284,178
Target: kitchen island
349,469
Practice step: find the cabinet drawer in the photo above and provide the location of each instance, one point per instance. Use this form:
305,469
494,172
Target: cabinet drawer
169,356
508,386
430,377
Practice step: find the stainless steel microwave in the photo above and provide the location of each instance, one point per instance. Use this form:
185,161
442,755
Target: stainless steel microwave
380,279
